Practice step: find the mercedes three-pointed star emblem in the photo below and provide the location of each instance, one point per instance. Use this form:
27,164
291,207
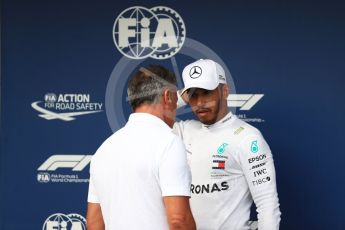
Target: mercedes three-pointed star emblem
195,72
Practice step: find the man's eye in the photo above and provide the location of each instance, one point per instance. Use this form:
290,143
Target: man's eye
192,95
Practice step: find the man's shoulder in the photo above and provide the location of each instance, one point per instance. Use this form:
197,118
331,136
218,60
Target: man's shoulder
242,128
242,132
107,143
247,136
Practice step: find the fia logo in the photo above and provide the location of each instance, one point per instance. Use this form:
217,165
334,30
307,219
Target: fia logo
140,32
50,98
43,177
61,221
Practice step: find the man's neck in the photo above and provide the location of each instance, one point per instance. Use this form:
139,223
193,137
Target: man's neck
155,110
151,109
223,111
221,116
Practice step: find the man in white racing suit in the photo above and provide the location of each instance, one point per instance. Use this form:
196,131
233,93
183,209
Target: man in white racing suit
231,163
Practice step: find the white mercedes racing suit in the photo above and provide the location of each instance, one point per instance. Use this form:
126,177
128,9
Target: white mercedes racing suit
231,166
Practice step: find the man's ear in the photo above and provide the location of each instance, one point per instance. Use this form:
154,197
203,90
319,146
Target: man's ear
167,97
225,91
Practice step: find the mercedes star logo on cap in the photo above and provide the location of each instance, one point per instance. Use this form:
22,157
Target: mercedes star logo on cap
195,72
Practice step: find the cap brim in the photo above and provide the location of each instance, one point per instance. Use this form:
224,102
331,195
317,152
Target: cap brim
206,86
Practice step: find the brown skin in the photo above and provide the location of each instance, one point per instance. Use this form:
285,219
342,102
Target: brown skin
165,109
209,106
94,218
178,212
169,114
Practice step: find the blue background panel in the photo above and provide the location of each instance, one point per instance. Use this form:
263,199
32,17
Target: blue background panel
293,52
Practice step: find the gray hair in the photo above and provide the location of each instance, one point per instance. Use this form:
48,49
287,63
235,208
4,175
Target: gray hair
148,85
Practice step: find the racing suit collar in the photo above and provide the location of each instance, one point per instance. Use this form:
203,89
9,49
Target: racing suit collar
219,123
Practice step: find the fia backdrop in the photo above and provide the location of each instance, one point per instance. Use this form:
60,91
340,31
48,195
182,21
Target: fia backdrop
63,76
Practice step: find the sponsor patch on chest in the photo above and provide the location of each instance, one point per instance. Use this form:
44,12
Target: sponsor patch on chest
209,188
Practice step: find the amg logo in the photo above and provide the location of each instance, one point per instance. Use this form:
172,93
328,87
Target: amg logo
197,189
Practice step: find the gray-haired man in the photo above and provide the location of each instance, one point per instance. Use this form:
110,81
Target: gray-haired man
139,177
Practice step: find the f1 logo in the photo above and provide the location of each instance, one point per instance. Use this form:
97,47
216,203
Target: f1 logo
76,162
244,101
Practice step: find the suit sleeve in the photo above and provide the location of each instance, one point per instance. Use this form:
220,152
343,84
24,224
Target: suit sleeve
258,168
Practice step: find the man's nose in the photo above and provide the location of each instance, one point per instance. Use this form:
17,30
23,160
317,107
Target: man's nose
200,101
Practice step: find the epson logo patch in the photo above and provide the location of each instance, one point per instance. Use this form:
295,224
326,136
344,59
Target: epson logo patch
258,158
